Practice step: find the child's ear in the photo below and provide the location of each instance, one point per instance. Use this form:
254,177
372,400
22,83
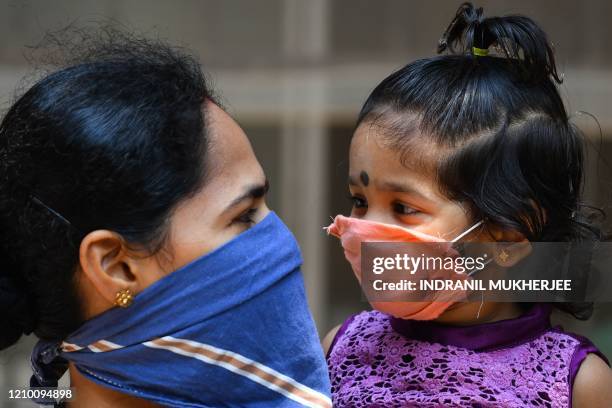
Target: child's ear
509,254
500,234
511,248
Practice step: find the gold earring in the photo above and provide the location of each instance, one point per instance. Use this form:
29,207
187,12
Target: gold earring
503,255
124,298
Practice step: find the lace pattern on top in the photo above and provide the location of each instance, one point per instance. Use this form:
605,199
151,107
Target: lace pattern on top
371,365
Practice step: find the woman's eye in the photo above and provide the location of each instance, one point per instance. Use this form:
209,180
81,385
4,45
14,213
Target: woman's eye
246,217
358,202
402,209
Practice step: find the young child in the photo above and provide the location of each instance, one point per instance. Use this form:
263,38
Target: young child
478,134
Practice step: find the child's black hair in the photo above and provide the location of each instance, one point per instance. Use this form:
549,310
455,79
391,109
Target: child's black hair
504,142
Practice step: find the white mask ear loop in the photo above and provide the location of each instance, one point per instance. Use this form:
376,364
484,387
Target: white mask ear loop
480,307
467,231
463,234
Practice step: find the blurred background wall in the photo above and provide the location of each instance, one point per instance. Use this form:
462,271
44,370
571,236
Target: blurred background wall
293,73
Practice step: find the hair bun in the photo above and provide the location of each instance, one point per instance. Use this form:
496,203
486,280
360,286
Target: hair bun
517,38
17,312
468,23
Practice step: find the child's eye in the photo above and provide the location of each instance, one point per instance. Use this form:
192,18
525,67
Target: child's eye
402,209
246,217
358,202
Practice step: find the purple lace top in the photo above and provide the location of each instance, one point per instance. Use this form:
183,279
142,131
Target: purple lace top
379,361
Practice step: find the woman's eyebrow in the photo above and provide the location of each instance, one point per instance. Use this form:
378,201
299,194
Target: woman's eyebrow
250,193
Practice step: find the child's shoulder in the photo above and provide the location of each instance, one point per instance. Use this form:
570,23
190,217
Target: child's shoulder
592,384
582,347
590,375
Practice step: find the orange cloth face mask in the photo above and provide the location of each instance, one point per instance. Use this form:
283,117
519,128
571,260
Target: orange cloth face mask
353,231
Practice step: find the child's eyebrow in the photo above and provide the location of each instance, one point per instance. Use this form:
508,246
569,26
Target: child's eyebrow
392,186
363,179
401,188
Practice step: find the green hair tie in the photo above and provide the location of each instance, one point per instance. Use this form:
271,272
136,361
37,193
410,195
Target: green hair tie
480,52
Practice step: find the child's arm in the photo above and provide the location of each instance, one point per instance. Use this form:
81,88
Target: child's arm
593,384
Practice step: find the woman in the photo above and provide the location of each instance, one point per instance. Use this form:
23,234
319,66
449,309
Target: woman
138,245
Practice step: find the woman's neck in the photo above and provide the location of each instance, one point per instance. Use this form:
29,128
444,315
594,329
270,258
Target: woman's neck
91,394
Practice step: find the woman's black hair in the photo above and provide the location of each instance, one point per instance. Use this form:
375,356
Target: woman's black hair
491,111
115,140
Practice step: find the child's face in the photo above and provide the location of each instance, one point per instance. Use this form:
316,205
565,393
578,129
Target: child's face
386,190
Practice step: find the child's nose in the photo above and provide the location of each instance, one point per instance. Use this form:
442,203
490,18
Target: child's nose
379,215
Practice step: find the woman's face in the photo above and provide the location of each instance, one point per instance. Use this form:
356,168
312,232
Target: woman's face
231,201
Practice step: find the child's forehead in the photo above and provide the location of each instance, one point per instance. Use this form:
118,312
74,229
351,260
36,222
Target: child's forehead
376,149
378,166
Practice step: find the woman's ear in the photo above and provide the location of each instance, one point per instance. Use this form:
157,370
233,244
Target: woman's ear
107,266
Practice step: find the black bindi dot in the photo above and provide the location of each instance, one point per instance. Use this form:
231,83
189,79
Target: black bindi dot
365,179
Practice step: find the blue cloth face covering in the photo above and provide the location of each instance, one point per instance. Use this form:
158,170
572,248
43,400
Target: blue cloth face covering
230,329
